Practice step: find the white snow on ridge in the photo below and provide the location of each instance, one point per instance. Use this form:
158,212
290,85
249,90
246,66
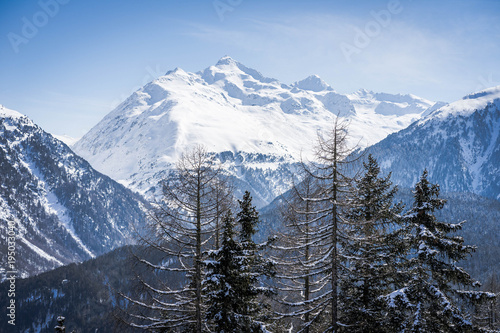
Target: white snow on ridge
469,104
54,207
235,113
394,105
40,252
4,112
380,114
313,83
230,107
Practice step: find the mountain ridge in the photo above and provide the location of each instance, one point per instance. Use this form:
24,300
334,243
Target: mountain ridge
62,209
229,107
459,144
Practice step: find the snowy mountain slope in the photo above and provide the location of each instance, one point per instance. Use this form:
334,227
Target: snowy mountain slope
231,108
458,143
69,141
380,114
62,209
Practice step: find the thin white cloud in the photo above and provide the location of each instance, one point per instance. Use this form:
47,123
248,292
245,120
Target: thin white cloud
400,54
54,98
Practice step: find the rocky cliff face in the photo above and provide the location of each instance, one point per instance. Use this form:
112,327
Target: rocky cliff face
60,209
459,144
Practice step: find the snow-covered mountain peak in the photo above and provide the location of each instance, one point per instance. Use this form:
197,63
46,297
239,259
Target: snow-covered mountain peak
226,60
313,83
363,93
176,71
490,93
63,209
385,104
230,108
8,113
458,143
468,104
227,68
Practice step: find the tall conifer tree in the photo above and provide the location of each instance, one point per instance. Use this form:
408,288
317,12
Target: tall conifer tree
254,267
223,282
298,255
431,299
182,227
324,206
233,284
370,249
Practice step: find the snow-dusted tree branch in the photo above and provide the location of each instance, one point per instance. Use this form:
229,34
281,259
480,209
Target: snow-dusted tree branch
183,227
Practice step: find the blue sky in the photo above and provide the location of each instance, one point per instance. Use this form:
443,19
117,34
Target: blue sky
80,58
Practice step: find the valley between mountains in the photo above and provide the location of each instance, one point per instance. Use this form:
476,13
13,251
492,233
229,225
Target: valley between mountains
73,203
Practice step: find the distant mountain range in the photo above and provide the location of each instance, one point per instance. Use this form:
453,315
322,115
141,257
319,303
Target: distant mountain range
235,111
62,209
258,128
459,144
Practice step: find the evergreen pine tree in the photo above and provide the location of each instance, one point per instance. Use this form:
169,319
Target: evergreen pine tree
222,284
430,300
370,249
487,314
254,267
234,271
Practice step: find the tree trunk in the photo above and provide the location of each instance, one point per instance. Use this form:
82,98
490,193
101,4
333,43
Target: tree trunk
334,239
307,257
198,257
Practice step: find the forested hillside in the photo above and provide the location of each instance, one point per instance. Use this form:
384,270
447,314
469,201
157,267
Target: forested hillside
108,292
